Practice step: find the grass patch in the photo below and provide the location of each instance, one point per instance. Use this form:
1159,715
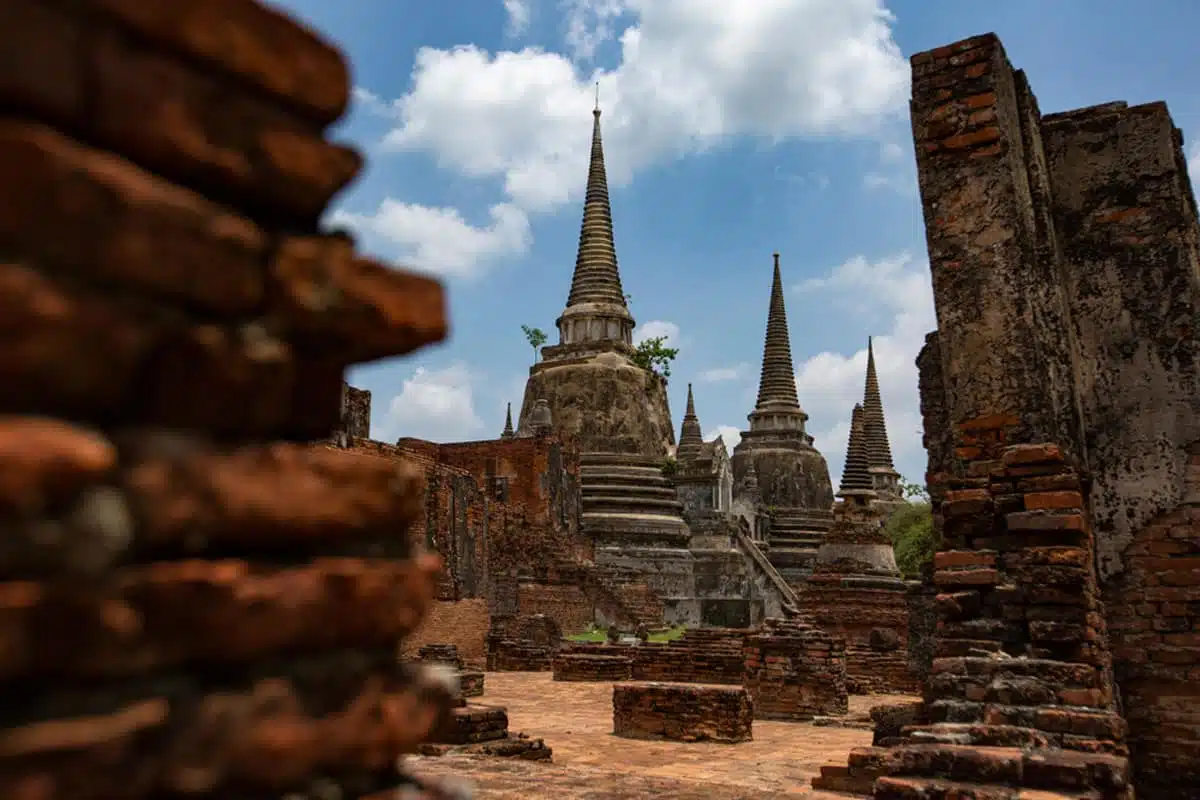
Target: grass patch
597,635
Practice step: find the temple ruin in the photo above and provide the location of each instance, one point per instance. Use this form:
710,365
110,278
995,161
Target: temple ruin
1059,395
776,459
215,584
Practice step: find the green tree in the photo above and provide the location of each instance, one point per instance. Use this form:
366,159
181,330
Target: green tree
536,338
654,356
911,529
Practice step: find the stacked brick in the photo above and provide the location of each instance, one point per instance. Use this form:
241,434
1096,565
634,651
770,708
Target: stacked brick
470,682
591,667
1154,622
1021,689
795,671
192,602
682,712
441,654
523,644
483,730
701,655
855,592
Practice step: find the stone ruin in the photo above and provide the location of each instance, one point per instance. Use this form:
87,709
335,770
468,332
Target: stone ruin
523,644
475,728
470,682
1060,401
855,590
682,712
194,601
796,671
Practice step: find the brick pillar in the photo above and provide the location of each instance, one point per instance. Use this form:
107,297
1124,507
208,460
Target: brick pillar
1128,232
187,607
1005,361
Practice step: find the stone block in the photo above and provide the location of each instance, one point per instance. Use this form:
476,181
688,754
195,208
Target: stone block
682,712
588,667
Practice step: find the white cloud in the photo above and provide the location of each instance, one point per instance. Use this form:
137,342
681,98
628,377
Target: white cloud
893,296
891,152
655,328
728,433
519,14
370,101
896,170
1193,162
589,24
724,374
437,405
690,74
440,240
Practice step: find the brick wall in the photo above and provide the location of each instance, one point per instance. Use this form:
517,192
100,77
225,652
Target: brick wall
566,605
874,625
462,623
1154,612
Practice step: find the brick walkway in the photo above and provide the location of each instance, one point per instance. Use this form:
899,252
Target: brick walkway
575,719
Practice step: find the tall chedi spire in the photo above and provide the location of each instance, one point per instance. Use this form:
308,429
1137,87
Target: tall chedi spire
879,452
596,307
690,438
777,386
508,426
856,476
883,473
792,475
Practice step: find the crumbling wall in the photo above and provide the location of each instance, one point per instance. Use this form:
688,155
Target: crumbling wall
194,601
1154,613
356,413
1066,277
1125,216
462,624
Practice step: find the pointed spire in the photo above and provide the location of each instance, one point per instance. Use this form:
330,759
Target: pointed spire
879,452
855,475
596,279
690,438
777,386
508,426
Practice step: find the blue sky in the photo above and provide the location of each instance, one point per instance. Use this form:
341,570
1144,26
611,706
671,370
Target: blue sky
732,130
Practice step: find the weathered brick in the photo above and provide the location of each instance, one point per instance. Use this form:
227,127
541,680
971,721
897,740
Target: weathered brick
65,351
1053,500
327,292
271,735
192,126
269,496
247,39
230,381
129,228
44,461
209,612
966,577
1023,455
41,59
948,559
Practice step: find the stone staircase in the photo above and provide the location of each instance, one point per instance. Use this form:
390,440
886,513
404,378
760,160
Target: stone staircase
617,485
795,535
609,591
789,601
